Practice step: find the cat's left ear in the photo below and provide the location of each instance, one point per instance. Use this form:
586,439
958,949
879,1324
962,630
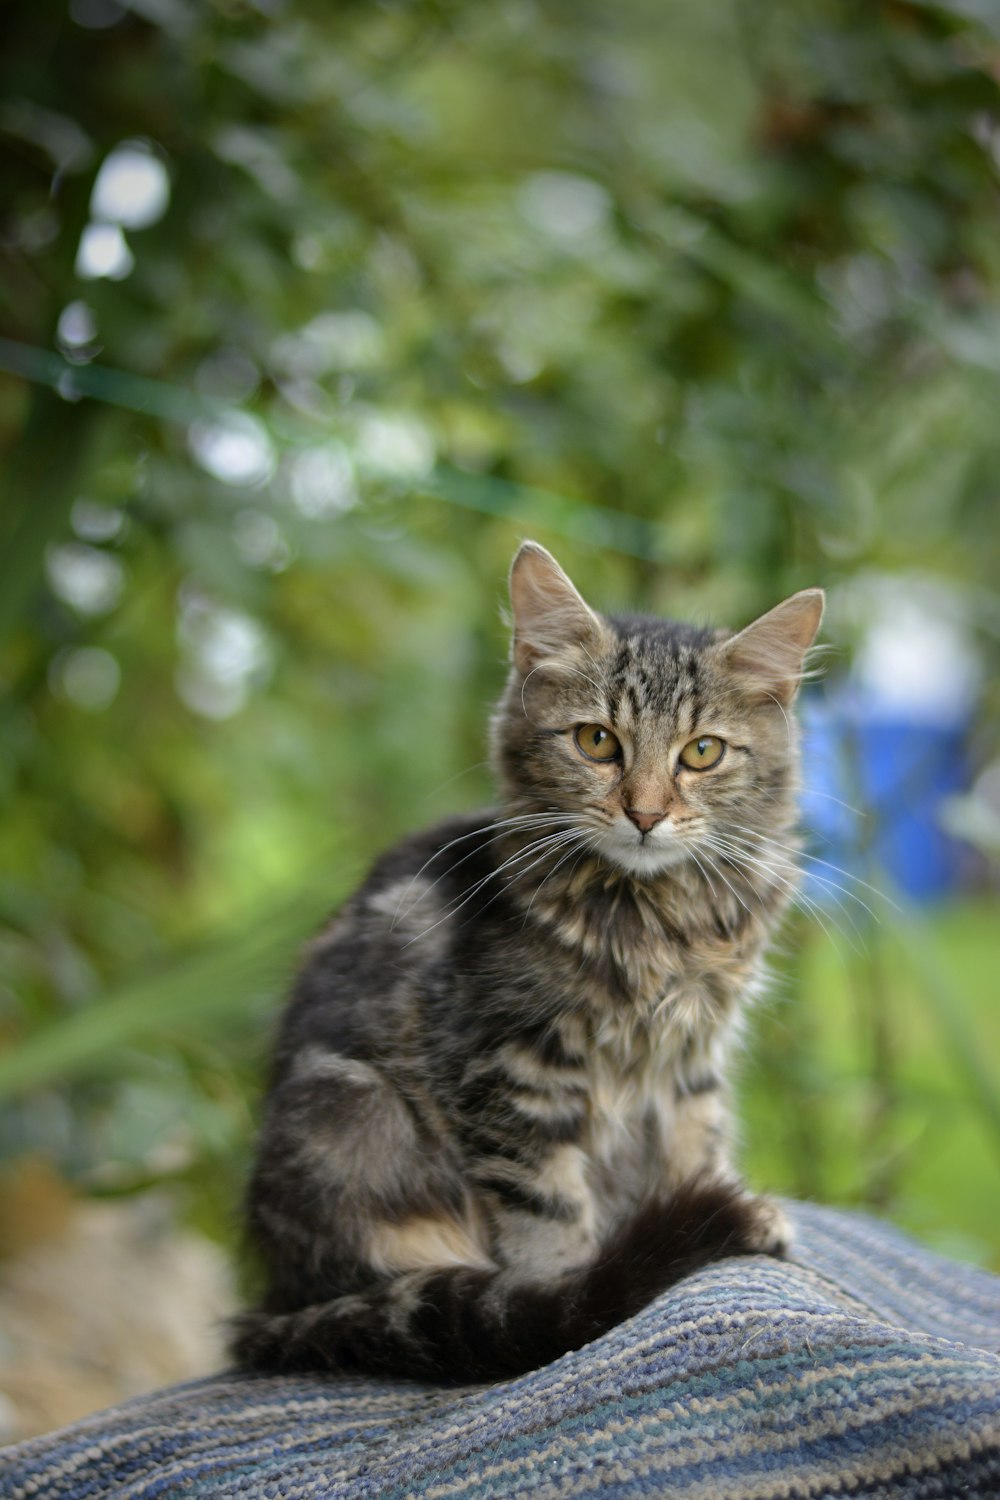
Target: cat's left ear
771,651
549,614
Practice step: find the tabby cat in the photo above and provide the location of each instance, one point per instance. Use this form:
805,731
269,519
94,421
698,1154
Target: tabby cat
497,1124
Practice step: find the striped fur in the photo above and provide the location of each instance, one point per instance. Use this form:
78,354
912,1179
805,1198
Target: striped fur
497,1123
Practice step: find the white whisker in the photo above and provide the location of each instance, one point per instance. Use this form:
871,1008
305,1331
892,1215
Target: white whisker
506,825
736,852
814,859
708,878
812,791
739,859
788,727
722,877
548,844
479,765
585,841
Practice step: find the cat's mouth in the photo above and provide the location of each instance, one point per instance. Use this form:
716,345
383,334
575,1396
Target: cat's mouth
644,854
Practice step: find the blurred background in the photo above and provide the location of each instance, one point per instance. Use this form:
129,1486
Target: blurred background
310,313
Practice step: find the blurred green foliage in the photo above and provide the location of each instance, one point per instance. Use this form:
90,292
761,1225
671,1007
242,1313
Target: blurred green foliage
705,297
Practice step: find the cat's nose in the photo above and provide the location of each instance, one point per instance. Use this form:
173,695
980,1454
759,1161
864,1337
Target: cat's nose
644,821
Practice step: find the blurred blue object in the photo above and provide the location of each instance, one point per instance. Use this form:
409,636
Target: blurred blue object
873,783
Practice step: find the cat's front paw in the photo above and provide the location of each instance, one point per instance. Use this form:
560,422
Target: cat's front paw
771,1230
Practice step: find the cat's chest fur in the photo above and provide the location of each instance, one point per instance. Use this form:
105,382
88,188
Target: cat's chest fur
655,1032
642,1076
660,981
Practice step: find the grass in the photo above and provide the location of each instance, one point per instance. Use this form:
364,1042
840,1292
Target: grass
877,1080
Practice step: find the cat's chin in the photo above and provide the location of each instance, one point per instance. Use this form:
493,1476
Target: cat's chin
644,859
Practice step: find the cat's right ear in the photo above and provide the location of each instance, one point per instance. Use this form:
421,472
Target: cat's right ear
548,614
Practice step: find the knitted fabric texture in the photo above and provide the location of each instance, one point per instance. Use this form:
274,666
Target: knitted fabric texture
865,1366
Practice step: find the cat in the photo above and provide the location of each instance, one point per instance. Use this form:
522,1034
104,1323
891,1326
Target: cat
498,1124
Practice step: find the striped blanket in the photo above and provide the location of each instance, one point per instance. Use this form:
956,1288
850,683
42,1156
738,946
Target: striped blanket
863,1367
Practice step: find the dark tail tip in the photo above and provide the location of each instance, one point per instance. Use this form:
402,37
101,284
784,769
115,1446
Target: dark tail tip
260,1341
704,1221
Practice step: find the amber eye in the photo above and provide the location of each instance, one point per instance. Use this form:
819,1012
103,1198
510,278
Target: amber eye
703,752
596,742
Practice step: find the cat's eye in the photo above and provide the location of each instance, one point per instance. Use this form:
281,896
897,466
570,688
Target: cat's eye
707,750
596,742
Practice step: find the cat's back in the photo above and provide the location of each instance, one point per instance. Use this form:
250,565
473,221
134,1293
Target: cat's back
367,971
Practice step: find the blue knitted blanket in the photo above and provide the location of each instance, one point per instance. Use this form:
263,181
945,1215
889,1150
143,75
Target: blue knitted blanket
863,1367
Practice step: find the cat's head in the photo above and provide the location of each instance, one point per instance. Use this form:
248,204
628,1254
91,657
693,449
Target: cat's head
656,739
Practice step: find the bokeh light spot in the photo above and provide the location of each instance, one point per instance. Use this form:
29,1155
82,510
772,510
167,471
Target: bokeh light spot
93,522
565,207
395,445
235,449
321,481
132,188
103,252
77,326
88,580
88,676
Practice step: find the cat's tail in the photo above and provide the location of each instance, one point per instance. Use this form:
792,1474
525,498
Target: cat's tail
468,1324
